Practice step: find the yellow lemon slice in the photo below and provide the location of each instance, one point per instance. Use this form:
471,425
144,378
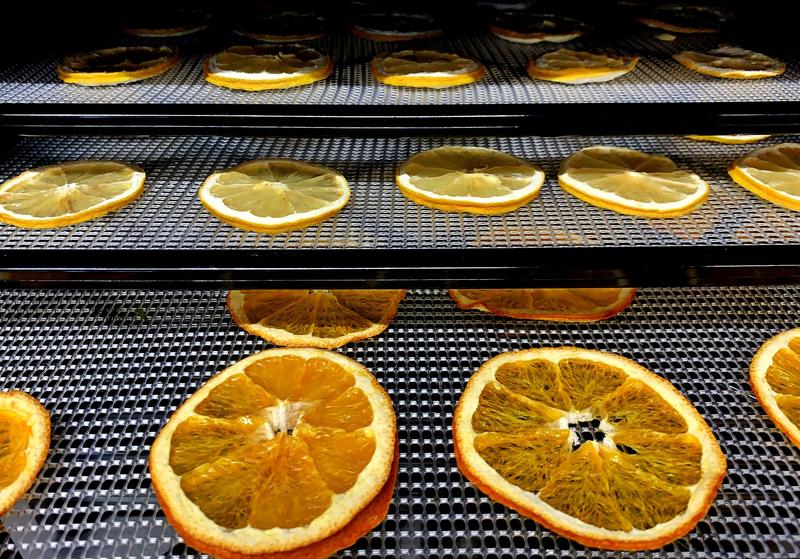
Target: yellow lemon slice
524,27
772,173
589,444
116,65
471,179
274,195
730,138
631,182
426,68
731,62
68,193
570,66
259,67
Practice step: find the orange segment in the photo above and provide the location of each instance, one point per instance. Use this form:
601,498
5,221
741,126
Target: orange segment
200,440
674,459
636,405
537,379
775,379
15,434
349,410
236,397
586,381
339,455
503,411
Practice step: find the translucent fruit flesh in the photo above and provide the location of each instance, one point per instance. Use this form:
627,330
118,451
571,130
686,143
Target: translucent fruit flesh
14,436
783,377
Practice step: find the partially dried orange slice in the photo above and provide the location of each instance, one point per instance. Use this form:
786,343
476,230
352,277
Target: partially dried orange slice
771,173
283,27
24,442
116,65
389,26
525,27
682,18
281,452
731,62
775,379
567,305
314,317
590,444
570,66
730,138
166,22
425,68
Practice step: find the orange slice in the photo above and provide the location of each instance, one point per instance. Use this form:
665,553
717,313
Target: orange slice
24,442
395,26
523,27
274,195
425,68
631,182
469,179
570,66
567,305
68,193
259,67
771,173
167,22
679,18
775,379
314,317
589,444
278,453
730,138
283,27
731,62
116,65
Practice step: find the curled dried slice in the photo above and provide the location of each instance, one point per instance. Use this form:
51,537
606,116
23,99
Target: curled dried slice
283,27
772,173
425,68
569,66
731,62
730,138
525,27
116,65
681,18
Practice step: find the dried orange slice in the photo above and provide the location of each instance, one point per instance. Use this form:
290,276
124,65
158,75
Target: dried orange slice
591,445
279,452
167,22
274,195
731,62
425,68
314,317
524,27
386,26
679,18
631,182
771,173
68,193
775,379
116,65
469,179
259,67
24,442
730,138
570,66
567,305
283,27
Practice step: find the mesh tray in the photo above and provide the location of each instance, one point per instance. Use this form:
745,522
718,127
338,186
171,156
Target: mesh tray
111,367
657,78
169,215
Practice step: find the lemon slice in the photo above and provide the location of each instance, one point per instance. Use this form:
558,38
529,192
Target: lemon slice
469,179
395,26
731,62
314,317
730,138
68,193
24,442
775,379
524,27
425,68
280,451
283,27
590,444
259,67
771,173
679,18
116,65
570,66
631,182
274,195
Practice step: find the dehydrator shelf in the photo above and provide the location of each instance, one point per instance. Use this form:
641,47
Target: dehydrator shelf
382,238
660,96
112,366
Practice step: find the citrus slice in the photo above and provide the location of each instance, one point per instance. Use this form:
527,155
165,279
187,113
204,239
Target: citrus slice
278,452
274,195
570,66
731,62
567,305
174,22
24,442
116,65
259,67
469,179
775,379
314,317
730,138
524,27
679,18
68,193
771,173
591,445
283,27
425,68
395,26
631,182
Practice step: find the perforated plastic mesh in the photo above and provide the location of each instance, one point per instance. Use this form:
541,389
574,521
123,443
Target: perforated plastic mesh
111,368
657,78
169,215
